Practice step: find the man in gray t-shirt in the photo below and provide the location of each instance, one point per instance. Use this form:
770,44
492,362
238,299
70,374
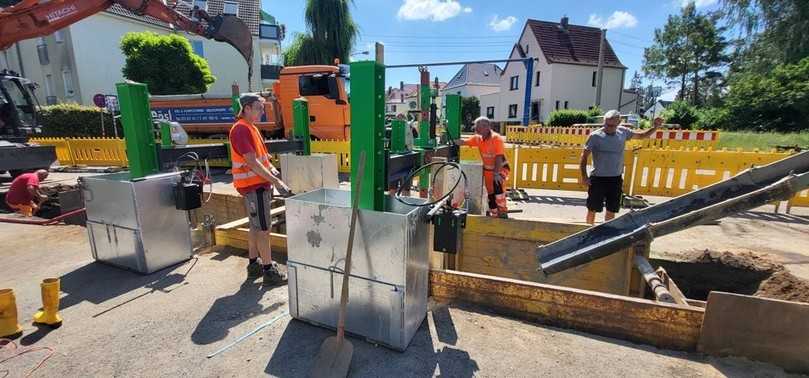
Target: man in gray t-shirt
607,146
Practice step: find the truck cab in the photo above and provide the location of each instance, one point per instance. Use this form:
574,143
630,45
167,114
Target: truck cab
18,116
325,89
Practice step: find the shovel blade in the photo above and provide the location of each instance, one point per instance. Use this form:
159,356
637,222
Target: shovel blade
334,358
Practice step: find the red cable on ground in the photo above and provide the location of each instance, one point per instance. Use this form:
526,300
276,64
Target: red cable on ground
43,222
16,352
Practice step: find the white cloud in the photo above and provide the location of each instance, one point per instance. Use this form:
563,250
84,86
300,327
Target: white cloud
433,10
698,3
617,20
502,24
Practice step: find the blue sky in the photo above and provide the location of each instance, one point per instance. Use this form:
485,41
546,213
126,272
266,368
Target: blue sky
423,31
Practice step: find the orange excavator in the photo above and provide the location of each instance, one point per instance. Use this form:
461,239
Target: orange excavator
33,18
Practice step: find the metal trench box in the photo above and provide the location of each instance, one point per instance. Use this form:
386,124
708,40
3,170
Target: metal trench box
308,172
389,275
134,224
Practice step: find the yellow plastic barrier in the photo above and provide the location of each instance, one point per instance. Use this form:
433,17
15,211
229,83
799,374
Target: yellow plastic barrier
341,148
554,168
88,151
62,149
577,136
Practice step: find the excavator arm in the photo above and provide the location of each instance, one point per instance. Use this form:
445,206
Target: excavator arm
34,18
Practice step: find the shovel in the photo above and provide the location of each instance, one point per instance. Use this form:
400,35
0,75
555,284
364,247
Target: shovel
334,357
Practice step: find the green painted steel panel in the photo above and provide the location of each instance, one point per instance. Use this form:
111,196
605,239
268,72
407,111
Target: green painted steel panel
368,132
300,115
136,119
453,114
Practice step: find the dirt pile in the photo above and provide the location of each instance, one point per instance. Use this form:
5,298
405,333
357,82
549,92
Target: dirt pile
700,272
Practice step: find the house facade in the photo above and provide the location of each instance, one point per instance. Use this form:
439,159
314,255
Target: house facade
564,73
85,59
475,80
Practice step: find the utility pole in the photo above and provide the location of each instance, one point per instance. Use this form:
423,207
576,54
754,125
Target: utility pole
600,79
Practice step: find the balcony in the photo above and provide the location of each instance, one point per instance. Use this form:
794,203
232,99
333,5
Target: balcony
270,72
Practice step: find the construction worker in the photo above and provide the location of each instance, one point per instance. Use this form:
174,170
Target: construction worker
496,170
24,196
254,177
604,183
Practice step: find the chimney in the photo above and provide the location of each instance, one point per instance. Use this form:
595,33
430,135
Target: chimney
563,23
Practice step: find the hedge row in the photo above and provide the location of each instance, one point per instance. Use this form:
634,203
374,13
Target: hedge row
73,120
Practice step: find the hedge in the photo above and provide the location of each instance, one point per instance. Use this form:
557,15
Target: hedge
567,117
73,120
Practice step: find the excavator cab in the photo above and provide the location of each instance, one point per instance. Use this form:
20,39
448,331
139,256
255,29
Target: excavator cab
18,116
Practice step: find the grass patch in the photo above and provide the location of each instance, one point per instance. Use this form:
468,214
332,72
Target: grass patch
763,141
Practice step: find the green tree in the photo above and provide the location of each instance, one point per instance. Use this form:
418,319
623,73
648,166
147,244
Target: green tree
689,47
470,109
331,34
681,113
776,101
774,31
166,63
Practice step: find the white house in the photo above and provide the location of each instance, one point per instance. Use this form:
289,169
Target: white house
475,80
564,73
84,59
656,109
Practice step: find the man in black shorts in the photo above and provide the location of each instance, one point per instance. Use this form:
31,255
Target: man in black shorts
607,146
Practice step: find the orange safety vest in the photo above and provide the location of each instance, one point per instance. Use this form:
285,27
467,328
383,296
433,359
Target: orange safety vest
243,177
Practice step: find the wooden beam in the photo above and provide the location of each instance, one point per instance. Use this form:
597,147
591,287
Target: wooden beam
640,320
275,212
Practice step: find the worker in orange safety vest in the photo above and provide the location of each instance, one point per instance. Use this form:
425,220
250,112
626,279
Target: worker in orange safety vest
492,147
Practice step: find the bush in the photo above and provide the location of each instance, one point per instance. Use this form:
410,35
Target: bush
166,63
567,117
74,120
681,113
712,119
644,124
595,112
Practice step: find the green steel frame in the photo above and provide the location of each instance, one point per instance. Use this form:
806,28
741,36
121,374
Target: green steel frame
300,130
136,119
368,132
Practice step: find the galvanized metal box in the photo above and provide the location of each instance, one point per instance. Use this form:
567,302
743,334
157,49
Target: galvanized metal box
303,173
388,283
134,224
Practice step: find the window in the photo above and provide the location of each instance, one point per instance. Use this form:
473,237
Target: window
57,35
201,4
42,52
595,75
565,104
537,83
557,104
512,111
268,31
197,47
231,7
318,85
67,77
50,95
393,108
514,84
490,112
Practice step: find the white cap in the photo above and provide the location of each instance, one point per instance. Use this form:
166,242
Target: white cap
612,114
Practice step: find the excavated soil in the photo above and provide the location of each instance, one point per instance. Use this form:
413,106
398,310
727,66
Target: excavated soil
700,272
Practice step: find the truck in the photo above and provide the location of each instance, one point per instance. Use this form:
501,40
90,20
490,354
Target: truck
18,120
323,86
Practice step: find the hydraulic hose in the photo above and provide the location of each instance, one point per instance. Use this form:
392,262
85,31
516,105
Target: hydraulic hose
442,164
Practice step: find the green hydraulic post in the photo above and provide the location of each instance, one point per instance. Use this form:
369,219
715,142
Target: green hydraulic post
136,119
165,135
300,116
368,132
453,114
398,136
234,105
425,94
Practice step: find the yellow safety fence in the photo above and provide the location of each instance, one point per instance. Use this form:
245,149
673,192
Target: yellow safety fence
654,172
577,136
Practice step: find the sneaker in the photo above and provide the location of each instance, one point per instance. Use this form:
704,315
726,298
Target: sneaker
273,276
253,270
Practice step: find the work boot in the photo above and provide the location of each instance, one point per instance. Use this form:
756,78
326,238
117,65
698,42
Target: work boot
273,276
253,270
9,328
49,315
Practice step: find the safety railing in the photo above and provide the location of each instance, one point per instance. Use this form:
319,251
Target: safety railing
577,136
664,172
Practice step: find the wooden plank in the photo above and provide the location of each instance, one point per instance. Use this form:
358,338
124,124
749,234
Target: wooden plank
237,238
520,229
634,319
235,224
758,328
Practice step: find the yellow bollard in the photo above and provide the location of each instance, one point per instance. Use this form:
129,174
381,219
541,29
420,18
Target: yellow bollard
9,328
49,315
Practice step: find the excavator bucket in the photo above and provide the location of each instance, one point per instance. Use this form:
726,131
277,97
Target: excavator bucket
233,31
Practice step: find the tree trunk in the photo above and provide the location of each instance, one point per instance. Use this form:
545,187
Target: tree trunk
682,86
696,88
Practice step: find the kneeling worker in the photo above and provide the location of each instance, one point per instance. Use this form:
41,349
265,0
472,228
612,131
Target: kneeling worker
24,196
254,177
496,170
